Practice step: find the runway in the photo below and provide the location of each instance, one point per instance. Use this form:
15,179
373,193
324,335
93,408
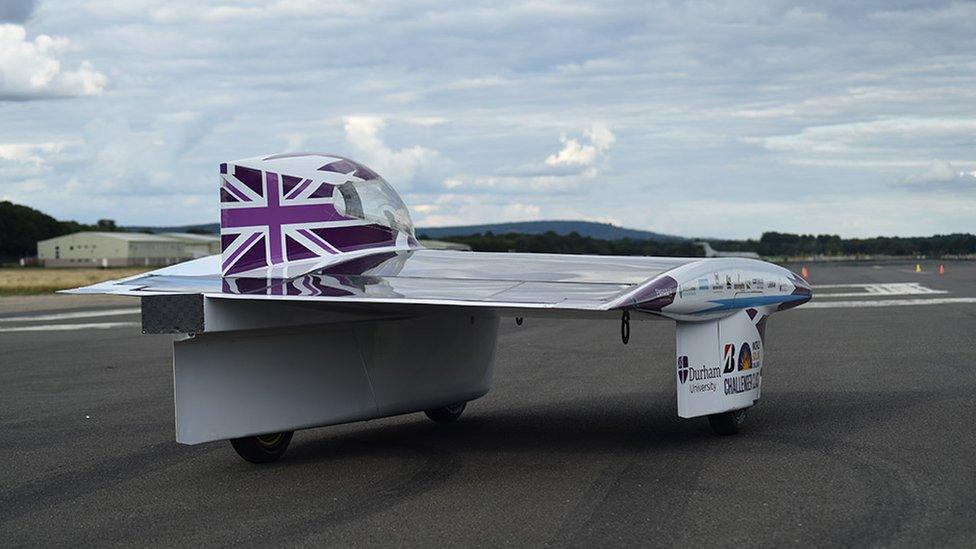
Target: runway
864,437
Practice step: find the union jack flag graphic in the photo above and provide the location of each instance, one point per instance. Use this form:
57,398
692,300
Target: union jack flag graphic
269,218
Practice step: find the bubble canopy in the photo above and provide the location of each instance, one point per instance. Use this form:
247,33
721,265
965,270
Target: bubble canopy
375,201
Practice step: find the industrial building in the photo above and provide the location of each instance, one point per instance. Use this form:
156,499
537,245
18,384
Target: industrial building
118,249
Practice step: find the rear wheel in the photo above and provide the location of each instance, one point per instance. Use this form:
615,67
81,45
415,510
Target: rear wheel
727,423
262,448
446,414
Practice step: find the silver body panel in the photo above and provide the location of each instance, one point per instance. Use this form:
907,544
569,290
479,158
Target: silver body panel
422,277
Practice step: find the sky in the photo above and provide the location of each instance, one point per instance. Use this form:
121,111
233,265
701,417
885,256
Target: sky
721,119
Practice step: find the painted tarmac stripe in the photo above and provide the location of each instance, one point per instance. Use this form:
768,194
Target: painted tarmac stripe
817,295
76,314
886,303
875,289
70,327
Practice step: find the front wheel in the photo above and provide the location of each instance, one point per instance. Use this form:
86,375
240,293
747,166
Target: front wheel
262,448
727,423
446,414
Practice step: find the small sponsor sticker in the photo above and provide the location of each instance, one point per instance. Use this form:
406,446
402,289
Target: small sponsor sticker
729,358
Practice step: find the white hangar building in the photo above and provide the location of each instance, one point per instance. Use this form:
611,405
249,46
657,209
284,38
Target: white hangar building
119,249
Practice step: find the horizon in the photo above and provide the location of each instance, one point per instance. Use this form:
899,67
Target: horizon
700,237
731,119
130,226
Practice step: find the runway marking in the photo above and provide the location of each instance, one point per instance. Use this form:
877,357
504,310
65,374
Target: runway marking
876,289
69,327
76,314
887,303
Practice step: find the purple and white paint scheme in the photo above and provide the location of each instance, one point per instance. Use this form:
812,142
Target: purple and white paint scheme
323,309
291,208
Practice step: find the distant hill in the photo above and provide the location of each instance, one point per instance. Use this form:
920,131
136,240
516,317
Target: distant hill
603,231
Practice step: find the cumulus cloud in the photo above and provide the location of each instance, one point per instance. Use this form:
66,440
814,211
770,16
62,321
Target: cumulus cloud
757,97
565,171
31,69
575,153
408,166
940,173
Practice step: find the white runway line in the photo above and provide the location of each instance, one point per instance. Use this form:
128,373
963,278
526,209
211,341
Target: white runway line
70,327
876,289
72,315
887,303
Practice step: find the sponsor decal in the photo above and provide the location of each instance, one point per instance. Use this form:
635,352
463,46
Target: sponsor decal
698,379
745,357
703,373
702,283
728,359
682,369
741,384
771,284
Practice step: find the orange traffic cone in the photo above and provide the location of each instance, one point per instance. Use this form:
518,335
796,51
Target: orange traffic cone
805,273
941,269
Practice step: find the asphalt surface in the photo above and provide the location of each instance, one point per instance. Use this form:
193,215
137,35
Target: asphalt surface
864,437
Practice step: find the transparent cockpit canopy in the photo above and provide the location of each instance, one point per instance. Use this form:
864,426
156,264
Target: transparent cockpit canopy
374,201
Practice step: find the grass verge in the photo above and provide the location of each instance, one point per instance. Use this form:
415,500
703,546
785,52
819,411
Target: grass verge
35,281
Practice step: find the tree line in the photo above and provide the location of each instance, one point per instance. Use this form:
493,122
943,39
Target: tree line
771,244
21,227
572,243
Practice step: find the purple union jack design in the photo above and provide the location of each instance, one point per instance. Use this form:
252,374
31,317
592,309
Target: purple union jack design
269,217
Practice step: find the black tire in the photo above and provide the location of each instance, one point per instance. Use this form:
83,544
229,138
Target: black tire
447,414
263,448
727,423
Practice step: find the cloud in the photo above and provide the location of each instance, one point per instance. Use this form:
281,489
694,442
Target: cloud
32,70
125,158
520,185
406,168
565,171
16,11
940,173
738,101
447,210
574,153
30,153
847,136
885,145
